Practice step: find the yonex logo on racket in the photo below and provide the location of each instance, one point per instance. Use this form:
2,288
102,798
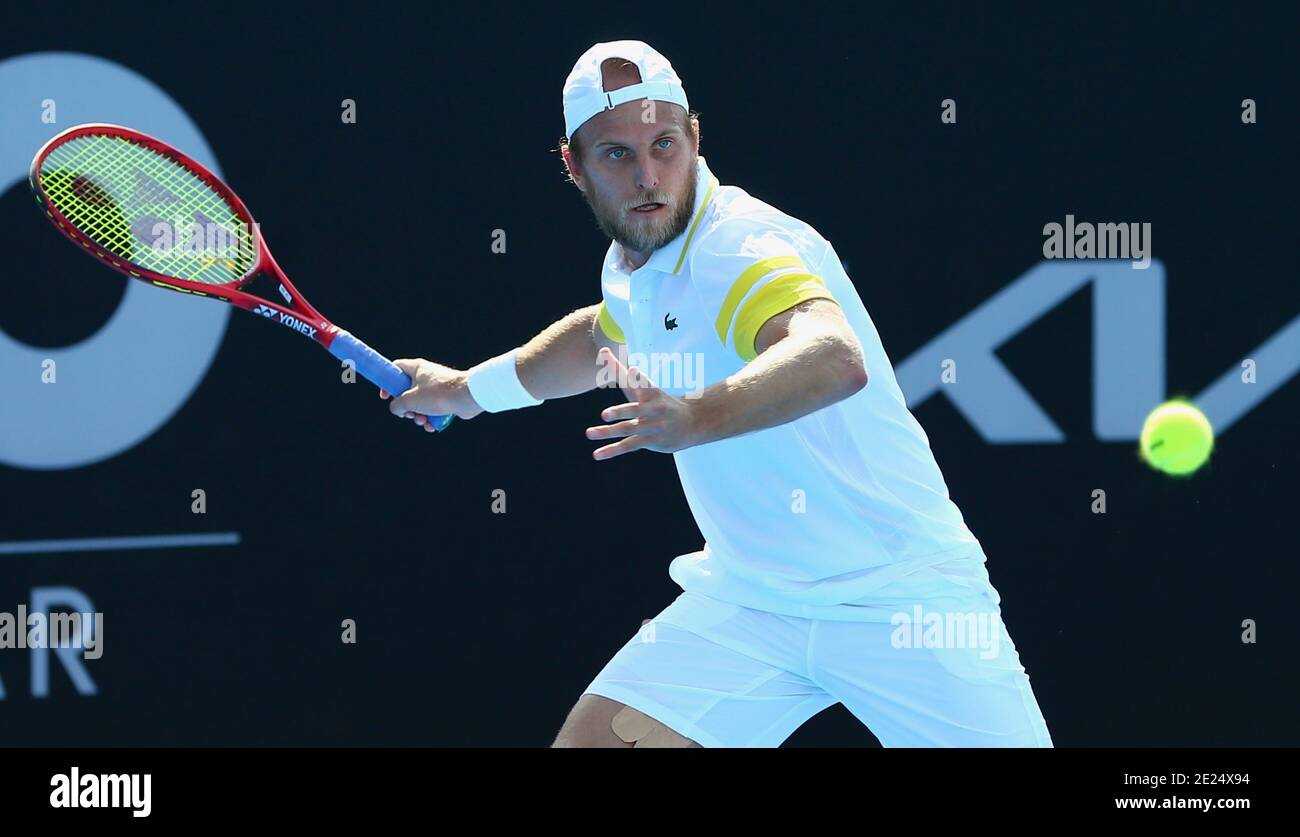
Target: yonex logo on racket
297,325
286,319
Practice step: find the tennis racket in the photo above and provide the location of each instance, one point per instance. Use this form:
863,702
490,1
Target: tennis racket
149,211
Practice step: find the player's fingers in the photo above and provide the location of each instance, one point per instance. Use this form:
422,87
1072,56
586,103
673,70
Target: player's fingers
419,419
614,431
383,393
640,383
400,406
621,411
613,366
628,445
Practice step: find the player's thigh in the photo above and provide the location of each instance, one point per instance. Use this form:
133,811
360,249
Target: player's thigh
713,673
962,687
600,722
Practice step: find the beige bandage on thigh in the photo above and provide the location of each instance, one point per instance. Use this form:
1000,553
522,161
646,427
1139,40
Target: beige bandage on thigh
640,730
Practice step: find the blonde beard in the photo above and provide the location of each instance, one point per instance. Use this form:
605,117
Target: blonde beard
613,225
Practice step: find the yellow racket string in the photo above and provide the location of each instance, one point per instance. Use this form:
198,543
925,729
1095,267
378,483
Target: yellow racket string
147,210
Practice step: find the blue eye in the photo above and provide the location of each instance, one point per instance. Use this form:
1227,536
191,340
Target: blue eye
617,151
662,141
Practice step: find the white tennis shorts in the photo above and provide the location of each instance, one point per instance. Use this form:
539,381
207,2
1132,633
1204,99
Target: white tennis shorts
725,675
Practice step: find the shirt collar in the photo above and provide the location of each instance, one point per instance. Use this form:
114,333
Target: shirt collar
671,257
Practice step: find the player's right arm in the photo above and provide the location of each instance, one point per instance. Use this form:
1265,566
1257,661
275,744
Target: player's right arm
560,361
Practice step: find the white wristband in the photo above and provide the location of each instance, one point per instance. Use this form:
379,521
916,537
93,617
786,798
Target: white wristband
495,385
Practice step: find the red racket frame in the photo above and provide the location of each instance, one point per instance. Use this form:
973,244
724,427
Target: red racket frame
322,330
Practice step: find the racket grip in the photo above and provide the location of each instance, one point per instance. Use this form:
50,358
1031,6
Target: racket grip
377,369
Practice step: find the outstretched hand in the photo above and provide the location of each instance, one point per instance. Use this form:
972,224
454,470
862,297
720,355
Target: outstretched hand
654,420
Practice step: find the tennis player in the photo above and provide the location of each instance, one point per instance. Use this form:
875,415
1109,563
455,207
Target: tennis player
835,568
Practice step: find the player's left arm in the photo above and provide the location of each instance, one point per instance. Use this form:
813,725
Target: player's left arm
808,357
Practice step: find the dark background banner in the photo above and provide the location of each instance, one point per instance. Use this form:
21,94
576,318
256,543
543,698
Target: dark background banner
476,628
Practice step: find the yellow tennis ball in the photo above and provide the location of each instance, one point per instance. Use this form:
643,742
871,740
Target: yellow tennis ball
1176,438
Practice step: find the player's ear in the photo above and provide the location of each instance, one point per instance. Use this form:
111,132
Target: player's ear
571,166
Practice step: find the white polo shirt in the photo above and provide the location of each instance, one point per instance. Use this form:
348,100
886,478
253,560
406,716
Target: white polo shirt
841,514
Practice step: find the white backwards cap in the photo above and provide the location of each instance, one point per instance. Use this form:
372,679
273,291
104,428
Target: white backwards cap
584,90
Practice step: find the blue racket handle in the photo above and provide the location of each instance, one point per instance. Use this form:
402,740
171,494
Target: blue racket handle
377,369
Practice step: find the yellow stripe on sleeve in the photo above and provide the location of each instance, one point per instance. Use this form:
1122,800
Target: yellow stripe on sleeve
781,294
741,286
607,325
